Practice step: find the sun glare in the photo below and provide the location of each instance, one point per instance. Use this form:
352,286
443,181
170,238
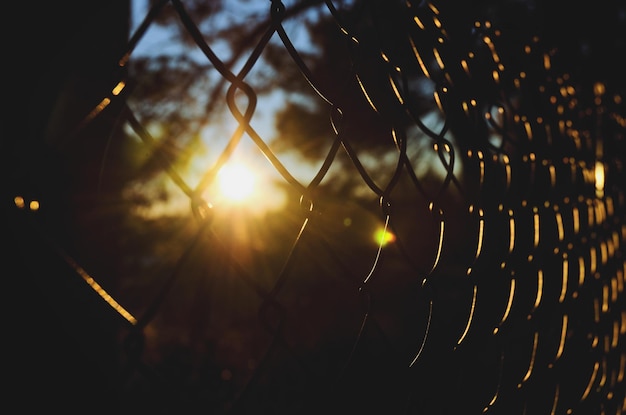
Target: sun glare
236,182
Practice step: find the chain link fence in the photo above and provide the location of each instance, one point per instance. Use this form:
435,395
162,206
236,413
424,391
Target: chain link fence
438,223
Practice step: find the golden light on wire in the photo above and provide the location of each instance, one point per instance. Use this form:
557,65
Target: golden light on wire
531,363
539,294
564,278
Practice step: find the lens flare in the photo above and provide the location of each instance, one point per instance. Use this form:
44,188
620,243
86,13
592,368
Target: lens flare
383,237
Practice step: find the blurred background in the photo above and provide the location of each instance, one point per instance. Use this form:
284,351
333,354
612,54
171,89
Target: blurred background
289,207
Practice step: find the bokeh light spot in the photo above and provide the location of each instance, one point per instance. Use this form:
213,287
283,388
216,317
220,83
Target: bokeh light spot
383,237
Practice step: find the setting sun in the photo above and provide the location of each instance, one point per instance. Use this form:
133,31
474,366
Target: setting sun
236,182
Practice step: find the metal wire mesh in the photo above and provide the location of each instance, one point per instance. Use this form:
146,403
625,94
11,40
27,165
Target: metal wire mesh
462,253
